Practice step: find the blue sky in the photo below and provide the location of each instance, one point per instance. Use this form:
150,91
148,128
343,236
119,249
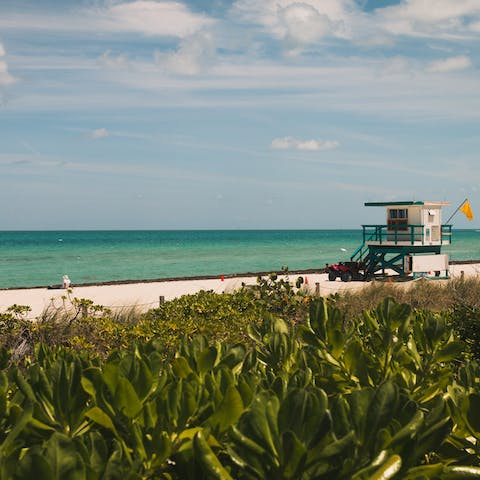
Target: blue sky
235,114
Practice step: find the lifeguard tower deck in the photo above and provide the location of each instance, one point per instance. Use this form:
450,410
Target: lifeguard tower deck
409,241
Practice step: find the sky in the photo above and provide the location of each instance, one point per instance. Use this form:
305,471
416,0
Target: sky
235,114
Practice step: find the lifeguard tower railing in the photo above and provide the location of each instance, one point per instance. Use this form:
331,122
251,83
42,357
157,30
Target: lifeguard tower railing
385,246
407,234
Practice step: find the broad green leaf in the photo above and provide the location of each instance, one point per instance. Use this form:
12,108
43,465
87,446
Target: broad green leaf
473,413
308,336
365,472
90,381
110,375
427,394
127,400
34,465
243,442
355,362
424,472
207,458
389,469
100,417
432,438
162,447
381,408
20,424
459,472
181,368
440,471
434,328
245,390
143,382
337,342
280,326
233,356
23,385
294,454
62,390
58,459
340,412
229,410
319,310
98,451
63,458
260,420
359,401
302,412
450,351
410,430
336,447
206,360
394,315
189,433
34,423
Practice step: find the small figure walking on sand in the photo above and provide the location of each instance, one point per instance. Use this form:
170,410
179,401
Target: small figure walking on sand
66,282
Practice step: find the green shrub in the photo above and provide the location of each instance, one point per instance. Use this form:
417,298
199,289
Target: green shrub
387,394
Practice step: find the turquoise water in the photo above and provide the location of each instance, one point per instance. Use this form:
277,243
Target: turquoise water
42,258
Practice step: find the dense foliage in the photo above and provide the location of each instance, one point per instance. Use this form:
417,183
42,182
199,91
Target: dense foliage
83,326
317,394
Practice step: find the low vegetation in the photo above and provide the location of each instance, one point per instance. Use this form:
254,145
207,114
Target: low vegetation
265,383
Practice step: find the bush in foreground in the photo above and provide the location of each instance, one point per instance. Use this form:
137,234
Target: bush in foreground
386,395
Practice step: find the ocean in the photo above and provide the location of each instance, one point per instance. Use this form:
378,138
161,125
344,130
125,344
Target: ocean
41,258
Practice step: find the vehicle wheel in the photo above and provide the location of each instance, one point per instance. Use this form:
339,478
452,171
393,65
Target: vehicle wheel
332,276
346,277
437,273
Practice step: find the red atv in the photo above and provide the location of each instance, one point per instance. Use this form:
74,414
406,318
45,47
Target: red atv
346,271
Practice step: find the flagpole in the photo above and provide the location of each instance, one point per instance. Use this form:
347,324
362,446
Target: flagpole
458,208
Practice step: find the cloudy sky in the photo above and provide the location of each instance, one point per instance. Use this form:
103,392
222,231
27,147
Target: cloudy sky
235,113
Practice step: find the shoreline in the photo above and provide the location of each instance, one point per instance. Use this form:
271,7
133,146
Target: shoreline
226,276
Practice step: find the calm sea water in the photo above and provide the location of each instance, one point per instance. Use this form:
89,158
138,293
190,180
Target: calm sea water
42,258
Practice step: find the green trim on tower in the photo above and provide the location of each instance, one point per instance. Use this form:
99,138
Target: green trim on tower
390,204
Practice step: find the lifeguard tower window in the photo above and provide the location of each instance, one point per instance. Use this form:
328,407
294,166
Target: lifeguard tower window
398,216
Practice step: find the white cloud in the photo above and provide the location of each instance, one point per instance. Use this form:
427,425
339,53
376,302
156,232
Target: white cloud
194,55
396,66
111,61
450,64
104,133
310,23
148,17
155,18
5,77
286,143
436,18
99,133
302,22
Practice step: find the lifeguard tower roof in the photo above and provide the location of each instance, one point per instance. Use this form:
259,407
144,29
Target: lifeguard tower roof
406,204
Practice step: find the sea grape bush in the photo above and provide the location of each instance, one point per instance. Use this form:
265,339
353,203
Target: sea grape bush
466,321
389,394
226,317
81,325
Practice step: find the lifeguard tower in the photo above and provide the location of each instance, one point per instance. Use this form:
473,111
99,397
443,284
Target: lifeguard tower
409,241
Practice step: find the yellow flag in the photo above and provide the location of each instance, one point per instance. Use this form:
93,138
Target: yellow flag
467,210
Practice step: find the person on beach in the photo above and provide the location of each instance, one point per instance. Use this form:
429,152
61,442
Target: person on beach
66,282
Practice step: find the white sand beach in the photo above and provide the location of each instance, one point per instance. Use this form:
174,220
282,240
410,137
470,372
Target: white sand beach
146,295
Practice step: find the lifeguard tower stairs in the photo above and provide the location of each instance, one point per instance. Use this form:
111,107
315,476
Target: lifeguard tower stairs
413,234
